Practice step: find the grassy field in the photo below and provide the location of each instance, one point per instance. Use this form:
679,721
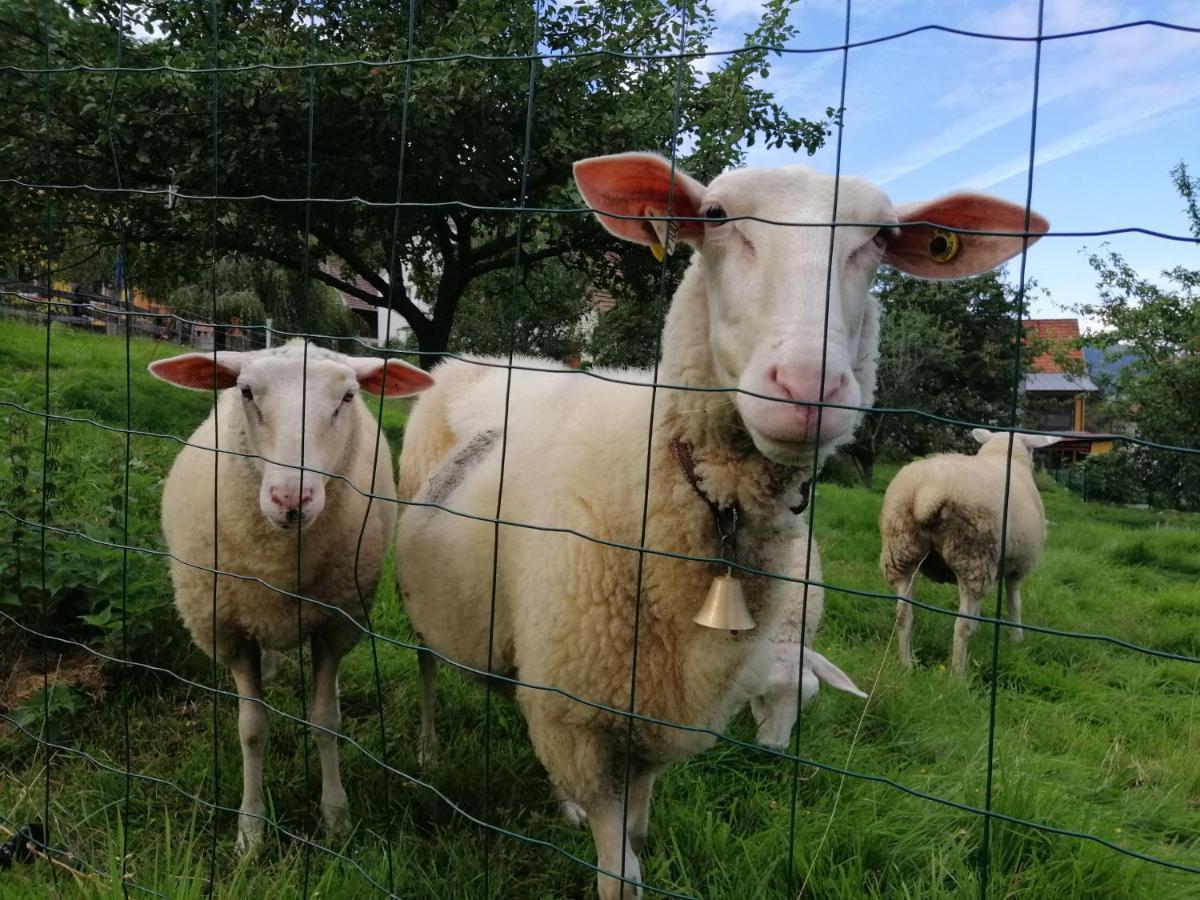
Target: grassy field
1089,736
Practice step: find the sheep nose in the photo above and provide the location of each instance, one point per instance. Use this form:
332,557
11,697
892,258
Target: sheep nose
291,502
805,385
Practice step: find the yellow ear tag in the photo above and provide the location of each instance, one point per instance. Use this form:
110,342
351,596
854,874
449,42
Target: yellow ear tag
944,246
658,251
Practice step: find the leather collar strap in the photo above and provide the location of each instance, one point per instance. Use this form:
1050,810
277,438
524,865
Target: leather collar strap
682,451
724,517
805,496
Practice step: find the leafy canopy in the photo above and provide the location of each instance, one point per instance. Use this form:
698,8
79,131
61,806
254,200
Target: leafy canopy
447,129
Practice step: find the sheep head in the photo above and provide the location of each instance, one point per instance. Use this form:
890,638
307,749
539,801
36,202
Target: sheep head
297,410
792,322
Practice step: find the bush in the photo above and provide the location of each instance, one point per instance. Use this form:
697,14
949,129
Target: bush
1135,474
88,586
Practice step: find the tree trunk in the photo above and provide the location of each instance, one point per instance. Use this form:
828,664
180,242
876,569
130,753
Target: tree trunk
434,341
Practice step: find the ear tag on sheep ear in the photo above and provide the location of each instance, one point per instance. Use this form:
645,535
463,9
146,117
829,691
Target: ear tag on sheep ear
666,232
944,246
725,606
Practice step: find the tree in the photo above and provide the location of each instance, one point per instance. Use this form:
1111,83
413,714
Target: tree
457,125
248,292
1158,395
946,348
551,302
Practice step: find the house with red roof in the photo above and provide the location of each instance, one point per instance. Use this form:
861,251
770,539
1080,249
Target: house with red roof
1057,389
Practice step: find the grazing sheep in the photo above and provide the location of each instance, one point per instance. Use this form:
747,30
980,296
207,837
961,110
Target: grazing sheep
941,517
773,700
264,503
749,314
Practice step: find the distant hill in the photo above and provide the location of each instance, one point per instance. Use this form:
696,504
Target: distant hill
1105,363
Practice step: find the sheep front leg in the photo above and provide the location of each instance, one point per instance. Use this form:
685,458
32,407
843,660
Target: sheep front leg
1013,589
641,786
326,718
246,668
608,831
427,745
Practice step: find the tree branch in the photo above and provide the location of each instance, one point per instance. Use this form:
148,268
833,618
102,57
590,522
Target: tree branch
350,258
501,262
441,234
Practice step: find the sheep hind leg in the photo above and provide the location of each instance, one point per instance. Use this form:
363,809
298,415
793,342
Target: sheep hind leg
904,618
326,718
246,668
1013,588
968,602
427,744
573,814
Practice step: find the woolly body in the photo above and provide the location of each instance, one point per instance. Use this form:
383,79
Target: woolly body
286,509
782,314
577,634
249,545
942,516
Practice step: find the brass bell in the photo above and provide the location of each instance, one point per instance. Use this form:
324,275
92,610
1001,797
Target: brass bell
725,607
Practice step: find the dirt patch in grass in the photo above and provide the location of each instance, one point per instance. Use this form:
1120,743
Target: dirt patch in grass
26,673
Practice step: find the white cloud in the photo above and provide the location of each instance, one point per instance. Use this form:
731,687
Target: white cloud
1112,77
1148,105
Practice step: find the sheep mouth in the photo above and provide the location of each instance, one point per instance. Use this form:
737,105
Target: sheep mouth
298,523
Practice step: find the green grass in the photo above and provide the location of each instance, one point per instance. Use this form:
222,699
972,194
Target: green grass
1089,736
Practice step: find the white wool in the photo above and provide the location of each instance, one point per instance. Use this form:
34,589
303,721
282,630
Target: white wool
256,539
942,516
750,312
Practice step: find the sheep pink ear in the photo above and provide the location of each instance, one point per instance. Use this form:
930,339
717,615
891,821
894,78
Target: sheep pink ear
391,378
942,251
199,371
639,184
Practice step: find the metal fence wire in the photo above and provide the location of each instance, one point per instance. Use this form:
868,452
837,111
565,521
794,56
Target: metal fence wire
491,825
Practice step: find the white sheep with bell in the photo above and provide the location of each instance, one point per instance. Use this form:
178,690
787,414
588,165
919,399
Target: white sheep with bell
941,518
748,319
300,465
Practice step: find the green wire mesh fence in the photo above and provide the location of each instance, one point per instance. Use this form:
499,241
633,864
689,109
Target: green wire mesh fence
38,523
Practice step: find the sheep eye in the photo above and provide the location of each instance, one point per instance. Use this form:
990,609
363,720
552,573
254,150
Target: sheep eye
715,214
247,393
348,396
882,236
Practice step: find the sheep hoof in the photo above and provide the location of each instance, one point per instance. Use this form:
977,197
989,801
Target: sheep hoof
250,834
427,752
573,814
337,818
270,664
1018,635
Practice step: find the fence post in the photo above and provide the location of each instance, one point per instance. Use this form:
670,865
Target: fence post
268,333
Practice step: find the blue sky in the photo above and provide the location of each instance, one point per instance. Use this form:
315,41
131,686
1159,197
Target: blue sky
933,112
